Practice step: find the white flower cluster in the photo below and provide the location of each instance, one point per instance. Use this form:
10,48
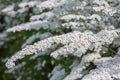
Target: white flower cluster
72,14
108,69
76,43
43,45
36,36
86,41
16,67
58,73
83,29
106,8
79,70
23,7
33,25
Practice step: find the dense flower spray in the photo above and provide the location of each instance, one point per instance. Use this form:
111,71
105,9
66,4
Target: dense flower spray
82,29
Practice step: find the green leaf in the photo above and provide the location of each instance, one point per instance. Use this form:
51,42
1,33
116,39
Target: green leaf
86,26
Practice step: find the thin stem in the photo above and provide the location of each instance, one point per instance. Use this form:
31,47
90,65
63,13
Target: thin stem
110,49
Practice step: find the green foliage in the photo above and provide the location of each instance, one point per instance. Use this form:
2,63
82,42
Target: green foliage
7,2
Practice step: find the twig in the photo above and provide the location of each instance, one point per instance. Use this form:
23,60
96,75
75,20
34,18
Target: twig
110,49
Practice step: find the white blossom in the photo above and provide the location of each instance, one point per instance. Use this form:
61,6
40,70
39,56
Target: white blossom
55,11
76,43
35,36
106,70
87,30
58,73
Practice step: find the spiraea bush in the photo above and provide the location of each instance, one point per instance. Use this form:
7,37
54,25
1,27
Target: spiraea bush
63,39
